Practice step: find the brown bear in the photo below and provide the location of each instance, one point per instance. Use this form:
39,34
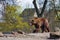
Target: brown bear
40,23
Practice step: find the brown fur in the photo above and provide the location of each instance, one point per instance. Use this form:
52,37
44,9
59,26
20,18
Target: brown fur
40,23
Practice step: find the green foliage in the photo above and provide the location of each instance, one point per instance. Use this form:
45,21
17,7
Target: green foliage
13,20
58,16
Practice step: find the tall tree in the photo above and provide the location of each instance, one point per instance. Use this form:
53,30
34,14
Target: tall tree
12,18
35,5
44,6
54,8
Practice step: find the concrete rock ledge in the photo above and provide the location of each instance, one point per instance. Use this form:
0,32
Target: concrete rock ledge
30,36
15,38
54,35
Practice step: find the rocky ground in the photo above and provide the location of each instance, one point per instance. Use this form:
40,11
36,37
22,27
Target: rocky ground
30,36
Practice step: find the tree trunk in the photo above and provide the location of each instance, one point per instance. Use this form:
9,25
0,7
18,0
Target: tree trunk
35,5
44,6
55,10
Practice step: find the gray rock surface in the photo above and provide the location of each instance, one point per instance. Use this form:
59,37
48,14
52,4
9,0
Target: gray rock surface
30,36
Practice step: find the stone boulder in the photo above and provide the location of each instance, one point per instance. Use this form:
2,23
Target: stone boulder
55,35
1,34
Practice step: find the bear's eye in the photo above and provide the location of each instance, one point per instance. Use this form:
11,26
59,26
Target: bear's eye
32,20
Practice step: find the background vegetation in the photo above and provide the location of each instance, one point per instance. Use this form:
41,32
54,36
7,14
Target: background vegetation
13,20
